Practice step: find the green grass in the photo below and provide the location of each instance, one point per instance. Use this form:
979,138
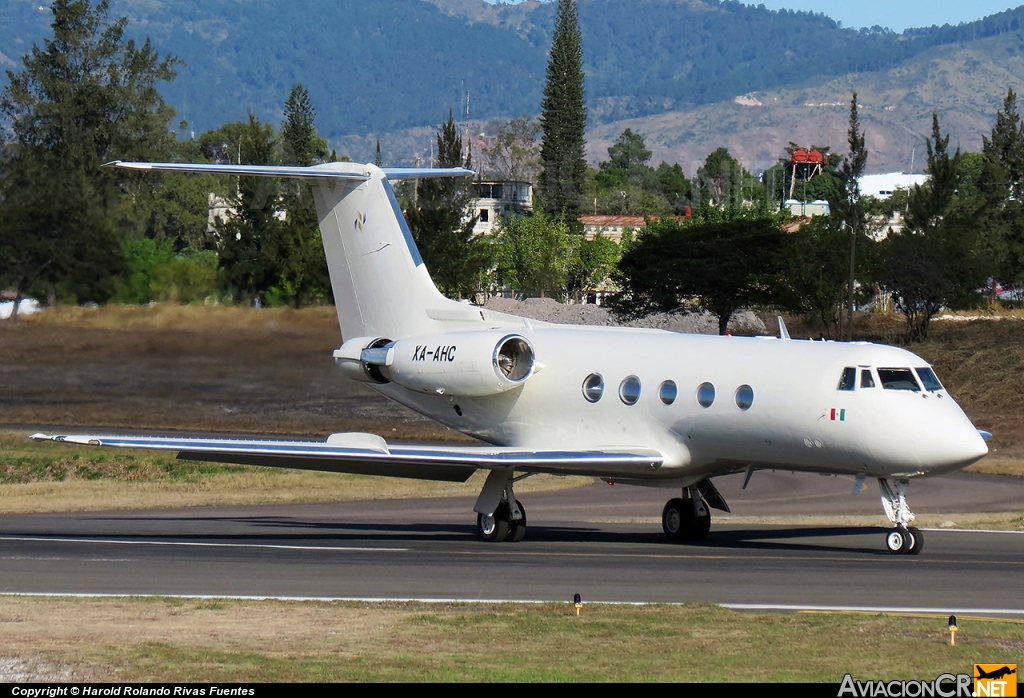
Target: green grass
23,461
521,643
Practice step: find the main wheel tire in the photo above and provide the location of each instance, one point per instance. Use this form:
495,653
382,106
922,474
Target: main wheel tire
917,540
517,529
677,520
492,527
701,526
898,541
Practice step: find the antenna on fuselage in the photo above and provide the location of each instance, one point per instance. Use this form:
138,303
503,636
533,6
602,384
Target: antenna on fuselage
783,332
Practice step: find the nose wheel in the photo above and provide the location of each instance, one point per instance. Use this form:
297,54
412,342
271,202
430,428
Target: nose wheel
904,539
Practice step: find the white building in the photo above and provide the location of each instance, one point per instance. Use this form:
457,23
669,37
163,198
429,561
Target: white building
882,186
805,209
496,202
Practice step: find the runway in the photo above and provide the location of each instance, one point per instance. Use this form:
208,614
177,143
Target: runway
579,541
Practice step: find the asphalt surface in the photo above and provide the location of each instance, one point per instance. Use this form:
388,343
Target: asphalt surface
601,542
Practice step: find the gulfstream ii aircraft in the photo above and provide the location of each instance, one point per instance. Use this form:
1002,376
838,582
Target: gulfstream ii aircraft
632,406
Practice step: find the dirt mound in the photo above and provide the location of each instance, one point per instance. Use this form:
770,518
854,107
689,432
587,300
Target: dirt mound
550,310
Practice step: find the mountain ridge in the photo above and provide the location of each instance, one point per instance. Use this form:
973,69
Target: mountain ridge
393,69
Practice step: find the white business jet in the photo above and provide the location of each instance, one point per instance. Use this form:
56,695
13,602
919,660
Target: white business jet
632,406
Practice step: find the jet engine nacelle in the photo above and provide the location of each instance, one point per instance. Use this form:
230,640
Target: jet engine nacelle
461,364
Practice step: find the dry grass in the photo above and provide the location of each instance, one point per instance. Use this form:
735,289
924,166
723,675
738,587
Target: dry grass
255,486
170,316
213,640
65,477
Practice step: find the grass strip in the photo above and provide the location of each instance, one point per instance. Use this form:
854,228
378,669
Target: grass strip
228,640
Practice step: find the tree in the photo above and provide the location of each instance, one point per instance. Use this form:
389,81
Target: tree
297,248
817,264
514,155
591,263
249,237
934,261
625,184
302,144
627,163
849,207
628,153
724,183
86,97
1006,145
441,227
534,255
719,265
1001,192
852,169
675,186
563,119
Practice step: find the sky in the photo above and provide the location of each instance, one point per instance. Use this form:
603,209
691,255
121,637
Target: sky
897,14
894,14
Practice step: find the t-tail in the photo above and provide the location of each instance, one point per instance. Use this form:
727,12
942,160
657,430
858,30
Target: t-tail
381,286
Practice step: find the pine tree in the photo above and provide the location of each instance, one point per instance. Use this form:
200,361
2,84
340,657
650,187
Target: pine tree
850,209
564,119
1006,146
934,261
1001,186
248,238
438,221
297,250
86,97
929,203
301,142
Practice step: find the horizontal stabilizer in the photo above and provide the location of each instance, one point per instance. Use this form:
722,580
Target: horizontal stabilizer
329,170
371,455
420,172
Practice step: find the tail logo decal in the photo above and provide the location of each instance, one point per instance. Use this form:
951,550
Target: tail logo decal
359,221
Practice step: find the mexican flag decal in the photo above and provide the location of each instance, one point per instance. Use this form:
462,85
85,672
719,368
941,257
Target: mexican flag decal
838,415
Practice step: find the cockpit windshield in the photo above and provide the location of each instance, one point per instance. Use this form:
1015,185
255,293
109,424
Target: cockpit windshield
927,376
848,381
866,381
898,379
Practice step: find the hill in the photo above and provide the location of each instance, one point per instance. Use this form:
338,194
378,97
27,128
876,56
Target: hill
673,66
964,83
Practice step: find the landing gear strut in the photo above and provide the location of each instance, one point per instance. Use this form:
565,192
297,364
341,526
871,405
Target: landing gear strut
686,519
904,539
499,515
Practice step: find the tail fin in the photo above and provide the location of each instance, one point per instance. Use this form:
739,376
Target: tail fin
381,287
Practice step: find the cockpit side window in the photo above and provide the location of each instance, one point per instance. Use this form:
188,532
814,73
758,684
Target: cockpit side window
898,379
848,381
927,376
866,379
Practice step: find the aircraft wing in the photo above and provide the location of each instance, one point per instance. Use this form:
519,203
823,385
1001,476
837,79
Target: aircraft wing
329,170
369,454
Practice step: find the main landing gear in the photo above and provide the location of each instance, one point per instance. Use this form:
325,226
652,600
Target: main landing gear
499,515
904,539
687,518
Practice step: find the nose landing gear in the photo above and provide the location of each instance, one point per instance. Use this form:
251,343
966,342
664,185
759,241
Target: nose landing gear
904,539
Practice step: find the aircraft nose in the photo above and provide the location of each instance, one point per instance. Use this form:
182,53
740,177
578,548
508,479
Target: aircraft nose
961,446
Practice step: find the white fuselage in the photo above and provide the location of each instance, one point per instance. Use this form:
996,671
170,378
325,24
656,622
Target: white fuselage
798,418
